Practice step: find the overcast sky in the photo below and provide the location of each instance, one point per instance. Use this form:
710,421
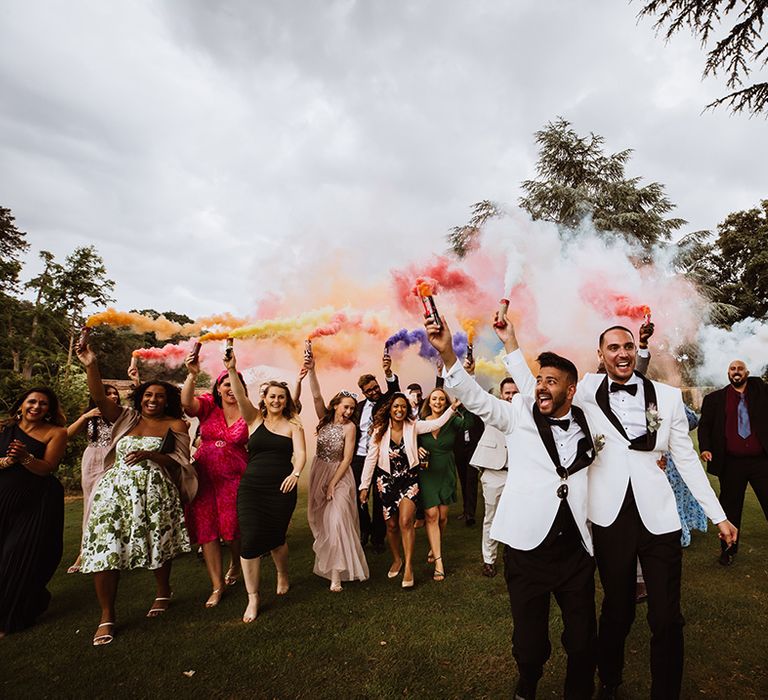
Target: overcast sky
211,150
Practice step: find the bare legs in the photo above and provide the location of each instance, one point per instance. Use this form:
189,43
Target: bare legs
106,593
408,535
393,540
436,520
163,598
251,569
213,562
251,574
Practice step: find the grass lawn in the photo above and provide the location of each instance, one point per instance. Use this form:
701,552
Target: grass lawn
374,639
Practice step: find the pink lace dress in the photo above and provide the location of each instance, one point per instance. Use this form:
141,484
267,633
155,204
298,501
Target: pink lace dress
334,523
220,460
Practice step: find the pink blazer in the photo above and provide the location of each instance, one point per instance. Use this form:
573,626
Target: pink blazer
411,431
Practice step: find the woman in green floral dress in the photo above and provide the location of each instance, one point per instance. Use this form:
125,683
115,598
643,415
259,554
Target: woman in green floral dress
136,518
437,483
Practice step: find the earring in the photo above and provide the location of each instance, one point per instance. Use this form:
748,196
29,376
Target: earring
48,417
18,414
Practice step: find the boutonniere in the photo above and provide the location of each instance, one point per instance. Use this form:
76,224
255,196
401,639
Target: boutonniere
599,442
652,418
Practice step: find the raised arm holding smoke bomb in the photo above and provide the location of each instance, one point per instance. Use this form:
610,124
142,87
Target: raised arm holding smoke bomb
147,463
221,460
267,495
541,516
332,506
638,421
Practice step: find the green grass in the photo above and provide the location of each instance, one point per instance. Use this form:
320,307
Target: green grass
373,640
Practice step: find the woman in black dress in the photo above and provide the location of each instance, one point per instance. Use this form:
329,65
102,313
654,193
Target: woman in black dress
266,497
32,443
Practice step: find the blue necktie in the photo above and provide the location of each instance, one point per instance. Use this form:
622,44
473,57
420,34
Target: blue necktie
742,414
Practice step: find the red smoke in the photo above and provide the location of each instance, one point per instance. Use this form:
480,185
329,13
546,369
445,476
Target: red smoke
441,273
612,304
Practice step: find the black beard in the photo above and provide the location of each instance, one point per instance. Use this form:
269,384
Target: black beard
736,384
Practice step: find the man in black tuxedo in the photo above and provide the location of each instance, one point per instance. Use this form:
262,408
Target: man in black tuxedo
372,526
733,439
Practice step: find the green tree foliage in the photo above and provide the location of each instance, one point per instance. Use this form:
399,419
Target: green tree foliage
737,263
577,178
735,54
13,245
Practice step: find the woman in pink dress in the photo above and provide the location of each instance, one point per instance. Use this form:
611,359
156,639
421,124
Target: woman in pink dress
332,502
221,460
99,434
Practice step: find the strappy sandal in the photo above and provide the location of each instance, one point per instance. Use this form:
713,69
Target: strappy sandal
156,612
438,575
101,640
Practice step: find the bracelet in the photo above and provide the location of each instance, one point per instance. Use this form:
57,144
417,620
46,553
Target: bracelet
6,462
27,460
296,474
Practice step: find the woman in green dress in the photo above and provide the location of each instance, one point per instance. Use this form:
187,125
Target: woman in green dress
437,482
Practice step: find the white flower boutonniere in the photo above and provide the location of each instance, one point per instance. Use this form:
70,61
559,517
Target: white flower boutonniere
652,418
599,442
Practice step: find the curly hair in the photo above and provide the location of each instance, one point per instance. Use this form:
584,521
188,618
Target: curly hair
426,410
172,397
55,416
289,411
381,417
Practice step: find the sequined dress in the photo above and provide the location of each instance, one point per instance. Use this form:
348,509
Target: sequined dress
334,523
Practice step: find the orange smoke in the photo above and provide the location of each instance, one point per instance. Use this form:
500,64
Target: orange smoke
470,328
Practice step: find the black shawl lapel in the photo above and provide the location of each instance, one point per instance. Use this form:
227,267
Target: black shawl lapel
601,397
585,450
545,432
647,442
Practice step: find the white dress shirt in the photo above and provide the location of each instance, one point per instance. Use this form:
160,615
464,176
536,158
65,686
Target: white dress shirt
567,441
630,410
366,418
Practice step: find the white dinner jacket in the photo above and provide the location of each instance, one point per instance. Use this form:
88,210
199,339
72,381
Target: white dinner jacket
491,450
529,502
616,465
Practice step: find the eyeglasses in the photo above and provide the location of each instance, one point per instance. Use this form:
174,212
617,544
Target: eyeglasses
348,394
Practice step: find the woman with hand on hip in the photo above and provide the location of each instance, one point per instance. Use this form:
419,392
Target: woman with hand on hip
266,498
332,500
220,459
393,456
136,519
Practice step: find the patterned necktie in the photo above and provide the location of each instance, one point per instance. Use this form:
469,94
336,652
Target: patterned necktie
742,414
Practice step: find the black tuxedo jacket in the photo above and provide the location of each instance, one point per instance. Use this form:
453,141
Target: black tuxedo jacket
392,388
712,424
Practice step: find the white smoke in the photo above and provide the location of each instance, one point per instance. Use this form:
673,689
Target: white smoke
746,340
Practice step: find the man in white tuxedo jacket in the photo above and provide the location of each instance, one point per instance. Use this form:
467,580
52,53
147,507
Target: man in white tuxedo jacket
631,503
542,515
490,459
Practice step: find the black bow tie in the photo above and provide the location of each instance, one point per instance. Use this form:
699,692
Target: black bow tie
564,424
629,388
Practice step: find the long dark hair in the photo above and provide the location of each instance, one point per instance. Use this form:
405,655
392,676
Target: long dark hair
217,394
55,416
93,423
381,417
172,397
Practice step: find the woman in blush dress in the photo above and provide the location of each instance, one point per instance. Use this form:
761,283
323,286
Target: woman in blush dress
332,503
99,434
136,519
266,498
393,456
32,444
220,459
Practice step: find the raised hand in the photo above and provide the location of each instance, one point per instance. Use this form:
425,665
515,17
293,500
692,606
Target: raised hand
192,363
229,359
85,354
506,332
